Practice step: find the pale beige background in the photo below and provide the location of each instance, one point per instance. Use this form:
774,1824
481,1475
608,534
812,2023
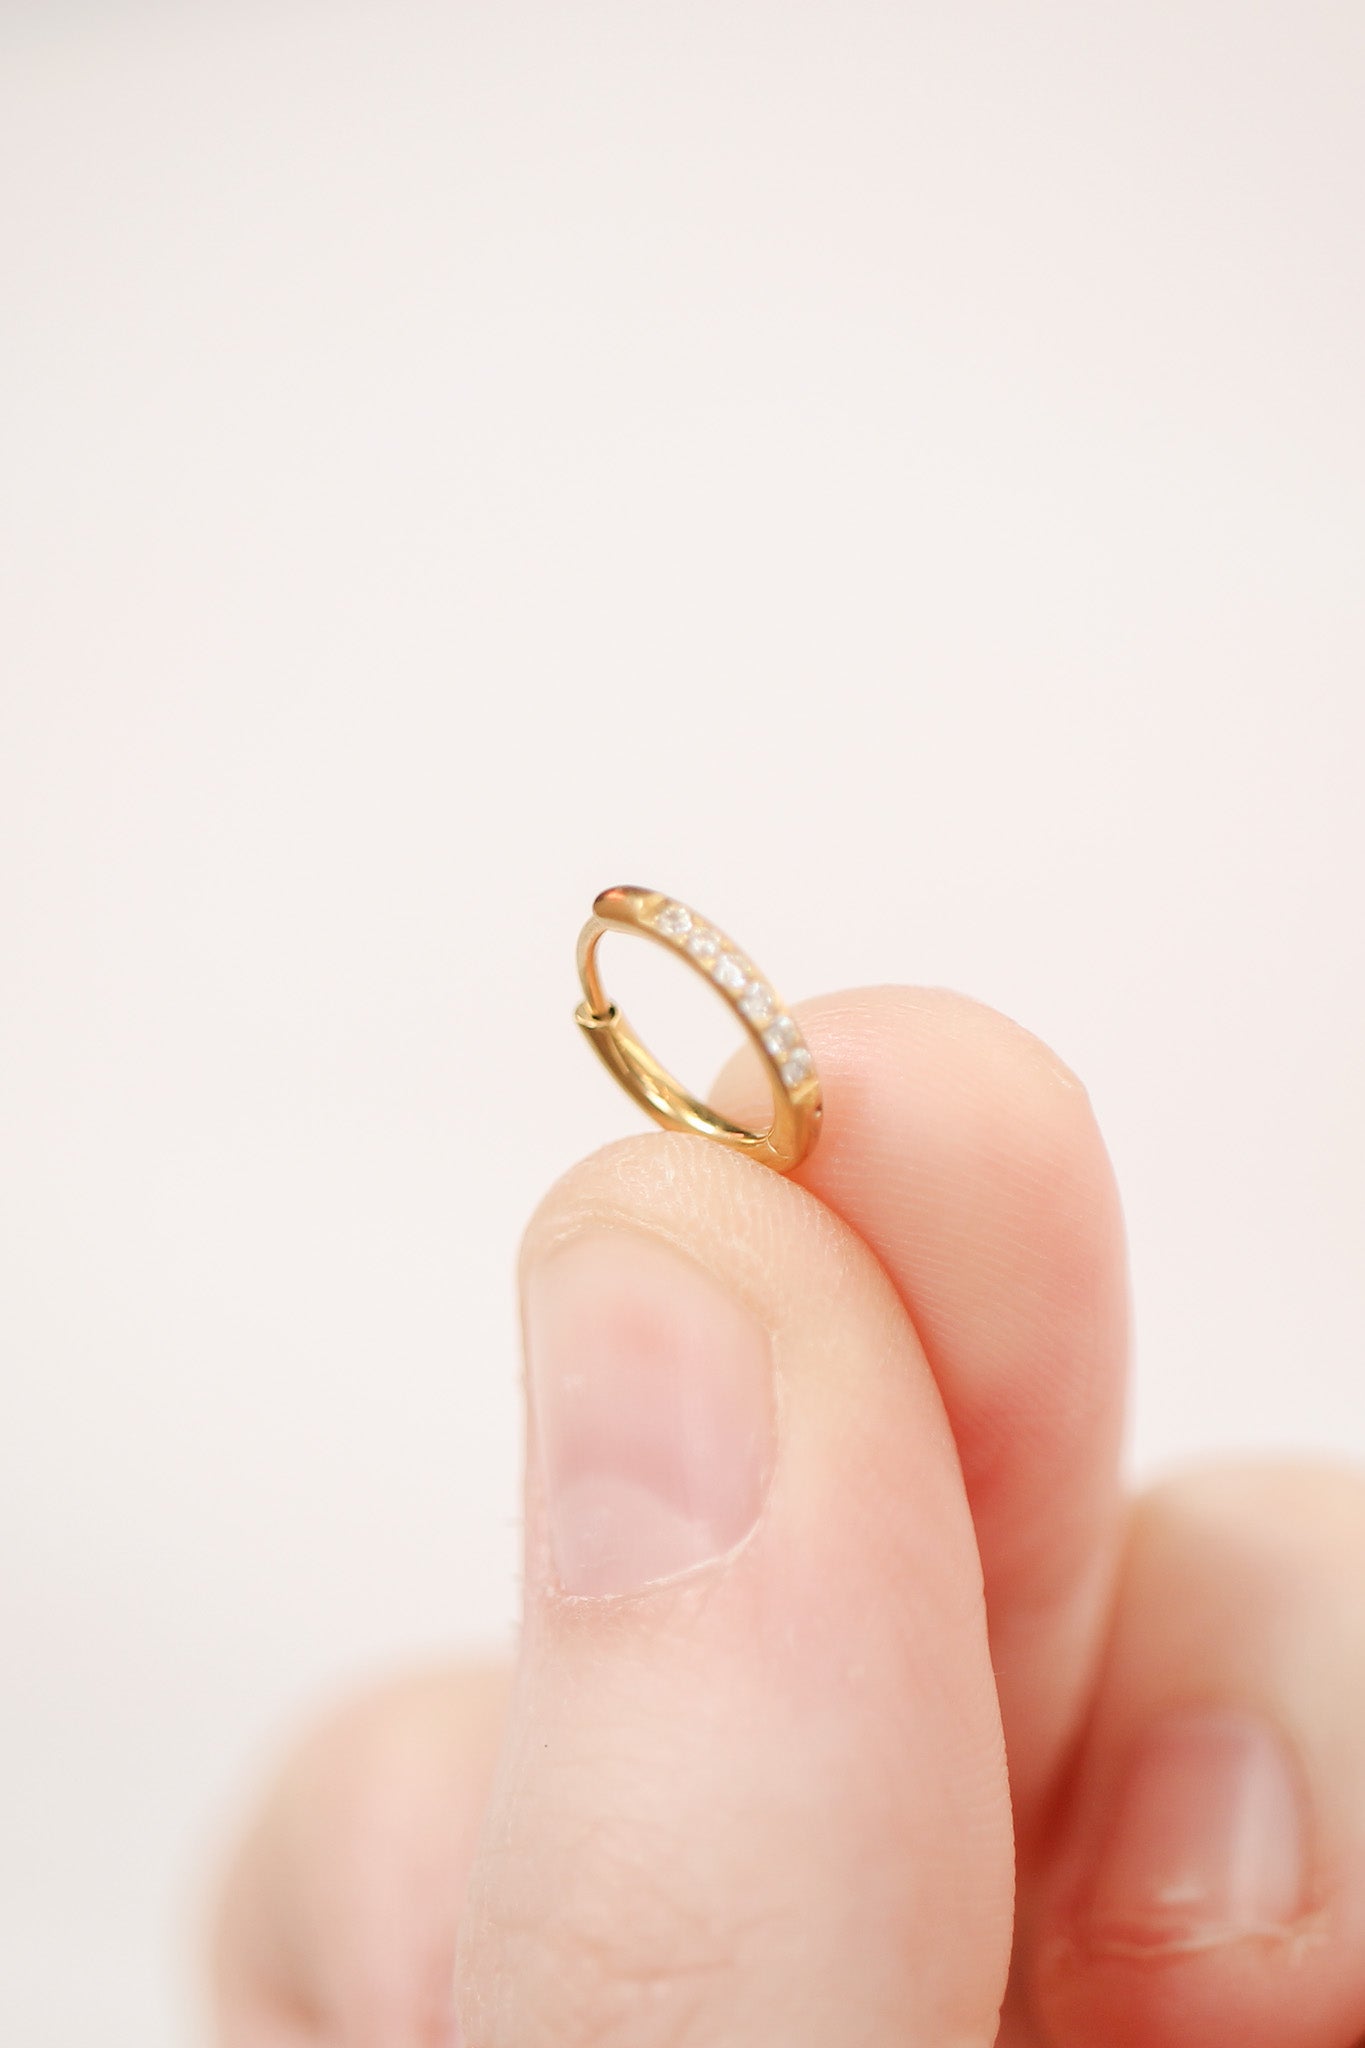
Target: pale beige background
892,474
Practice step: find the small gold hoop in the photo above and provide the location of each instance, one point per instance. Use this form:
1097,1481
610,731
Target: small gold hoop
797,1108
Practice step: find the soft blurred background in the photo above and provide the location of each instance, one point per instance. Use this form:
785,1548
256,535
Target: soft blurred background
892,475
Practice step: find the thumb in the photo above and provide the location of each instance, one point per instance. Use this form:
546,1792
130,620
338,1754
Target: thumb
753,1785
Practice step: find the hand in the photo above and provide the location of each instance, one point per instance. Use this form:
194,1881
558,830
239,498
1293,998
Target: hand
823,1523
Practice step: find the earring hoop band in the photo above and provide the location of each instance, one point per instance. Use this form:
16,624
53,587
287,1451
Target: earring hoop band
797,1107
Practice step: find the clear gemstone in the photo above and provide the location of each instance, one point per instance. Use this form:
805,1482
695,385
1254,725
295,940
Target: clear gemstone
703,944
674,921
780,1037
796,1068
757,1003
731,972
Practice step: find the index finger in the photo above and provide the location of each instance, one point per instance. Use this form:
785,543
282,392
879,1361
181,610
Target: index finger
967,1156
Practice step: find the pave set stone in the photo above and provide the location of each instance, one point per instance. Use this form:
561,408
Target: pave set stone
756,1002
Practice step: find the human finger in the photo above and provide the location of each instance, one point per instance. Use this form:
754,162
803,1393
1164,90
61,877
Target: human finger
1207,1885
335,1924
753,1786
967,1156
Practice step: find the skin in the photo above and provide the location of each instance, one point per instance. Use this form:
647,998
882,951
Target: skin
852,1781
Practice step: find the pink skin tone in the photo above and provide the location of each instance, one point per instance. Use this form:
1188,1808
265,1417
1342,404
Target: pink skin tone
855,1702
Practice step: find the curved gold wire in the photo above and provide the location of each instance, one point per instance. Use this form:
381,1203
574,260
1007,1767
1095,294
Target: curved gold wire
797,1106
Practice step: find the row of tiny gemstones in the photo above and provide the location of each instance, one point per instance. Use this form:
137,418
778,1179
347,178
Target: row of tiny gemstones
752,997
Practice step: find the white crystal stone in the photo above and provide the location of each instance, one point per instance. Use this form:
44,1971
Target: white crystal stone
757,1002
780,1037
674,921
703,944
731,972
796,1068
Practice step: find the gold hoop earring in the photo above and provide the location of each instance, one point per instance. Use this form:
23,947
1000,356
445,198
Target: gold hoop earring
797,1106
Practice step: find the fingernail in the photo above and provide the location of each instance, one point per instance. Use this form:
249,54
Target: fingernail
1208,1837
652,1405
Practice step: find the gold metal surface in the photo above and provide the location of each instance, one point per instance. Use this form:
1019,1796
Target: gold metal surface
797,1107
